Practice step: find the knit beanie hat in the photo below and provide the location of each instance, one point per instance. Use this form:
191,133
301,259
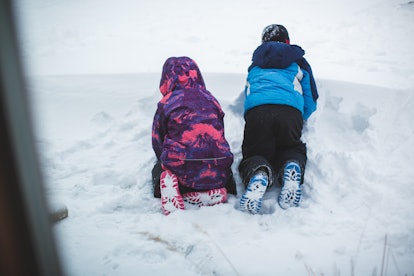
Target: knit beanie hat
275,32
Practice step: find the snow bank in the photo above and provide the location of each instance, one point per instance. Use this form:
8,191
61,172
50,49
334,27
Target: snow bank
357,188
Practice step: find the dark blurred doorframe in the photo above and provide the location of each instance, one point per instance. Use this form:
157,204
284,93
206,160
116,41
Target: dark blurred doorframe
27,244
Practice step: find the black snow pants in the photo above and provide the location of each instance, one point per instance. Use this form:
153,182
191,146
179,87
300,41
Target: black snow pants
272,137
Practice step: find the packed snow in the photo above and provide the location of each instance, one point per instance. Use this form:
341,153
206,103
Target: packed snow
93,71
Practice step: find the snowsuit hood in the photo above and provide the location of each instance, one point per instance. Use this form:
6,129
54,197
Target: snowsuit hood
180,73
276,55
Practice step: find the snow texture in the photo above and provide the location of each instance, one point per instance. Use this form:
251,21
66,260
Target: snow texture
94,69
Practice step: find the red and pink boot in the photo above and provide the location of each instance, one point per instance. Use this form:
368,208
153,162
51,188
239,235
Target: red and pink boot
171,199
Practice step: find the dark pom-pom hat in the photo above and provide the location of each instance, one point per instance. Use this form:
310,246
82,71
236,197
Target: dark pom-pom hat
275,32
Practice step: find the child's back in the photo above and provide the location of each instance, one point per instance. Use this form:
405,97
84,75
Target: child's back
188,130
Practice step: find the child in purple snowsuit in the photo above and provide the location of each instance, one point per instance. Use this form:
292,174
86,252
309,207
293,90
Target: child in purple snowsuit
193,157
280,95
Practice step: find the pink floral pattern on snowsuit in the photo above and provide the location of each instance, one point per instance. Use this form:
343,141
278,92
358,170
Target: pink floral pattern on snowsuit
188,128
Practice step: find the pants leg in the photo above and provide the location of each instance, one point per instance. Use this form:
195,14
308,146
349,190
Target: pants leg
272,132
288,128
258,148
258,139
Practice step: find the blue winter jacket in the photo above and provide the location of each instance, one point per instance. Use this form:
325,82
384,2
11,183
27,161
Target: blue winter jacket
280,75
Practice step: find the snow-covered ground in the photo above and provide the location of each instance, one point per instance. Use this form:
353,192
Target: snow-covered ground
94,69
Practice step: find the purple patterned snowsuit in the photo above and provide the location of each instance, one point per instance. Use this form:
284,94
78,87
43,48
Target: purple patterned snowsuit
188,128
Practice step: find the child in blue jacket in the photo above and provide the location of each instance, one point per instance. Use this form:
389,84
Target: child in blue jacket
280,95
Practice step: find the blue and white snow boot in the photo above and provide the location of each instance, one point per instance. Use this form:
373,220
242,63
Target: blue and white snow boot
291,192
251,200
